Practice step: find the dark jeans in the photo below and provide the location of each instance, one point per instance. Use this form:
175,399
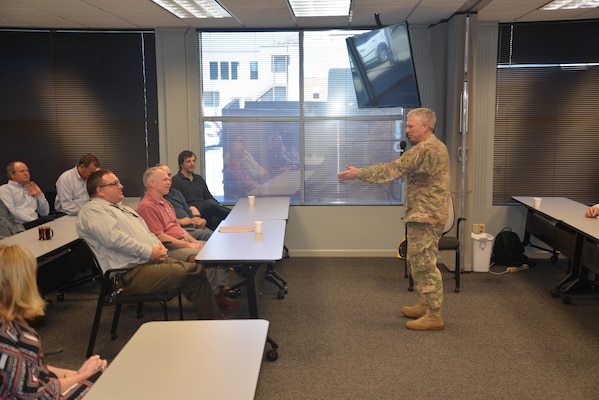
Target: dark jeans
212,212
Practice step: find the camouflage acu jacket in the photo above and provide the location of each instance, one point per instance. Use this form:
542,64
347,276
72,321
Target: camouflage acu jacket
425,166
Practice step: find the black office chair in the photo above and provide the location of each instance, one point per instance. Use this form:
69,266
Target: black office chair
451,243
83,271
109,295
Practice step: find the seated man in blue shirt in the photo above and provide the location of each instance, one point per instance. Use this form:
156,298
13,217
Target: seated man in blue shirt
71,191
195,190
23,197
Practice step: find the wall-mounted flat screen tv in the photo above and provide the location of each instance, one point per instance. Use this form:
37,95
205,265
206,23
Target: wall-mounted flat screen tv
383,68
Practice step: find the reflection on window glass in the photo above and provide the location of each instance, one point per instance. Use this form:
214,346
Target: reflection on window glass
270,144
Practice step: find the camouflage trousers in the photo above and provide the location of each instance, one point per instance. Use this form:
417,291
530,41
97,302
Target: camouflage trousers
423,248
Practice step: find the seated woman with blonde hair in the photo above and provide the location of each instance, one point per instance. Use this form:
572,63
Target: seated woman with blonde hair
24,373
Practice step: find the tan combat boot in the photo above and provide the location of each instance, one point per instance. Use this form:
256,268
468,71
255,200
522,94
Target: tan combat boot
430,321
416,311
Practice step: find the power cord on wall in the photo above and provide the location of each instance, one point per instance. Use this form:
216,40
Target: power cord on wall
508,269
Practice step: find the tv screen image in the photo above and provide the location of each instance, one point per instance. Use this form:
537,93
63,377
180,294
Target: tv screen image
383,69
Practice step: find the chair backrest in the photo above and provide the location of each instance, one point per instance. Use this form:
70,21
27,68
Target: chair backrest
450,217
95,264
107,284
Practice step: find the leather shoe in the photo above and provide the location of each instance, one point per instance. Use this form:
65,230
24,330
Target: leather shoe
225,303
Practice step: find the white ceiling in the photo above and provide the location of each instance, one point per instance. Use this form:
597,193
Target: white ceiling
257,14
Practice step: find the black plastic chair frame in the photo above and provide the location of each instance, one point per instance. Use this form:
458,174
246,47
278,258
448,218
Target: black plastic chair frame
449,243
110,296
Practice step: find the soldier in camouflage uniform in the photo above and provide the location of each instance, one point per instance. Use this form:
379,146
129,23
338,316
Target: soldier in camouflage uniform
426,168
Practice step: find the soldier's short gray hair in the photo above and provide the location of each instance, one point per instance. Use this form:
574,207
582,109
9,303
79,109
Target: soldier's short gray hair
425,115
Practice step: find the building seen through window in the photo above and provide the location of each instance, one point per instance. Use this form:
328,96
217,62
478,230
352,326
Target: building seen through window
270,142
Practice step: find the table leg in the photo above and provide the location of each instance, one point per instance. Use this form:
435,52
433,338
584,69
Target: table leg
251,271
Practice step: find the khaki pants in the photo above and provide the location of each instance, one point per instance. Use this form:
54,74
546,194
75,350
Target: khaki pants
171,274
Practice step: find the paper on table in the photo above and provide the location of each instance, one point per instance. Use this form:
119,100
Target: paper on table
236,229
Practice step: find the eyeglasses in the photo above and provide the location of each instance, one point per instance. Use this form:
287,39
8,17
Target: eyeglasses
115,183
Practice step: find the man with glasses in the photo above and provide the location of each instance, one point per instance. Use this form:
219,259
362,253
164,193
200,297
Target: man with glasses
120,238
71,191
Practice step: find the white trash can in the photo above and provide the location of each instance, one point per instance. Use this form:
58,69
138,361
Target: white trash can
482,248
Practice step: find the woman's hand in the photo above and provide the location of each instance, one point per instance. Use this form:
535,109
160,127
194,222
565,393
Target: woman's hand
92,365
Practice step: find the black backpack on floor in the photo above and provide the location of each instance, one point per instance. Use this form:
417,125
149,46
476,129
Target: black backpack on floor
508,249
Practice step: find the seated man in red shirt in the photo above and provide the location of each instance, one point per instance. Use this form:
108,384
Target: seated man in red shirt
161,219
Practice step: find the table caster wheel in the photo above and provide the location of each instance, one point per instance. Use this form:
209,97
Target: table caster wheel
272,355
410,289
555,293
281,294
60,297
114,336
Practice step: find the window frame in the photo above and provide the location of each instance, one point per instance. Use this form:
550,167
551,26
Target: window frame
311,113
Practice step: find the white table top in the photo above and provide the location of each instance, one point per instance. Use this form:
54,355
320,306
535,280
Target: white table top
244,247
187,360
65,233
567,211
264,208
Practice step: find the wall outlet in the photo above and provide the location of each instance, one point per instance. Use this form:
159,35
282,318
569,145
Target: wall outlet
478,228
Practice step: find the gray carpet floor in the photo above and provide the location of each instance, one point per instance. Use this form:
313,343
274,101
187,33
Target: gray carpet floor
341,335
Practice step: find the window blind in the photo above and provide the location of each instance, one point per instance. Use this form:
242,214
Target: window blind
546,128
70,93
292,116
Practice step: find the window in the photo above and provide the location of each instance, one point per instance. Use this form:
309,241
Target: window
547,98
213,70
279,64
273,144
224,70
253,70
235,70
211,99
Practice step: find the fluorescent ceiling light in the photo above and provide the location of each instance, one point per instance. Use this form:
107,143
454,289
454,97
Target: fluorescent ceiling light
570,4
320,8
194,8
